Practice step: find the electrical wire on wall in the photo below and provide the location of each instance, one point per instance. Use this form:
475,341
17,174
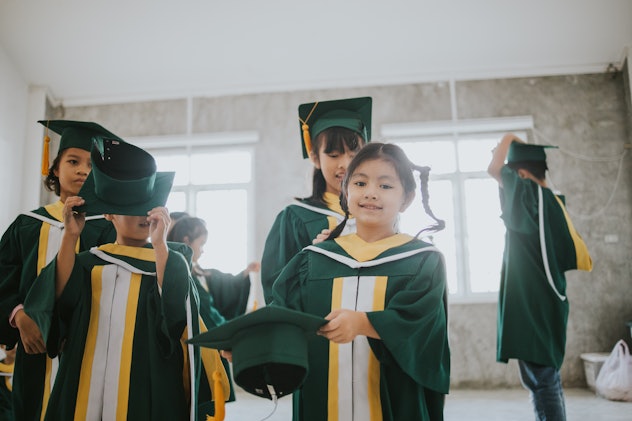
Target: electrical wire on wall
621,157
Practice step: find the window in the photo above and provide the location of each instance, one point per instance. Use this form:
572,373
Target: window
214,182
463,194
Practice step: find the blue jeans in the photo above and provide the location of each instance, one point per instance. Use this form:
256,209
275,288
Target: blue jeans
545,388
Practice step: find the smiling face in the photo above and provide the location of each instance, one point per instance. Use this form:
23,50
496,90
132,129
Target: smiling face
375,197
130,230
72,171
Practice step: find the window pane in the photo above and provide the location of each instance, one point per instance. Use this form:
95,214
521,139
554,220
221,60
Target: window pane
177,201
439,155
475,154
173,162
221,167
415,218
486,231
226,216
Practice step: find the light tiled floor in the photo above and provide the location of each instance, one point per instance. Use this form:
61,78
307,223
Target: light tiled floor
461,405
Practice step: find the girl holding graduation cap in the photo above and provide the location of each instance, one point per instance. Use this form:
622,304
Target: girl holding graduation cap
384,352
29,243
331,132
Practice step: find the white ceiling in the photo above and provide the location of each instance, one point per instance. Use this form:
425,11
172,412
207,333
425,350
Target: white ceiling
89,52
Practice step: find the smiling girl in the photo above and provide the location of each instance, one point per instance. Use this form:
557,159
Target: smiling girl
332,132
384,353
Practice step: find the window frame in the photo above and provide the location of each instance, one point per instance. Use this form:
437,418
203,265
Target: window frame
215,142
459,130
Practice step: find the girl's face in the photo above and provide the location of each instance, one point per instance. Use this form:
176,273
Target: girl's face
130,230
375,196
333,166
197,246
74,167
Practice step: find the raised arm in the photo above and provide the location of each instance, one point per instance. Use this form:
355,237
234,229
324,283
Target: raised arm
499,154
159,221
73,225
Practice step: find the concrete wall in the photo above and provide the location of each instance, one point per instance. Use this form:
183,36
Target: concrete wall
585,115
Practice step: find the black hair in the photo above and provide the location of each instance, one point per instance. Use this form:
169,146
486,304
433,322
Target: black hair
336,138
404,168
536,168
51,182
188,226
176,216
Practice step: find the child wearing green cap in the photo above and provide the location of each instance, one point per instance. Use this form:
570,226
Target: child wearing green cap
384,353
540,245
122,309
331,134
29,243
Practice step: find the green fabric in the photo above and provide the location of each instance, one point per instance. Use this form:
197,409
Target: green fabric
413,351
531,317
212,318
527,152
156,382
229,293
351,113
6,406
123,180
18,270
77,134
294,228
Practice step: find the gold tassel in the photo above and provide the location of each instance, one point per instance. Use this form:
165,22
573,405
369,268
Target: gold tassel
45,154
307,139
218,397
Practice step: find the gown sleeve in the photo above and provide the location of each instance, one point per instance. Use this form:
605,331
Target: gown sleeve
230,292
10,272
286,238
413,327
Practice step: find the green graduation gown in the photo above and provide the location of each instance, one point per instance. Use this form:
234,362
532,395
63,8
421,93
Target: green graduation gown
31,242
400,282
6,404
540,245
123,356
295,227
228,293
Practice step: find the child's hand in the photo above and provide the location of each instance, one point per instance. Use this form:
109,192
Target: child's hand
228,355
159,222
30,334
343,326
253,267
322,236
73,221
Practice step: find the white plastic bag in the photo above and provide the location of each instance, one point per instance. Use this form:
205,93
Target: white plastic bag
614,381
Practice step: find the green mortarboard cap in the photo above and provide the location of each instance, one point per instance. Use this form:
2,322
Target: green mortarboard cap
526,152
77,134
74,134
269,346
353,114
123,180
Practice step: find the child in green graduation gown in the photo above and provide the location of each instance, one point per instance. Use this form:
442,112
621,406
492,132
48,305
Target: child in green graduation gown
384,353
123,307
226,292
331,134
541,244
29,243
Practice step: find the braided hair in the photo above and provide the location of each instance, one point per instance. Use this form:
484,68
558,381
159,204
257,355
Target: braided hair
404,168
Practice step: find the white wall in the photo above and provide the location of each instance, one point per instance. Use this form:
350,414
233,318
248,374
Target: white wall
13,115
